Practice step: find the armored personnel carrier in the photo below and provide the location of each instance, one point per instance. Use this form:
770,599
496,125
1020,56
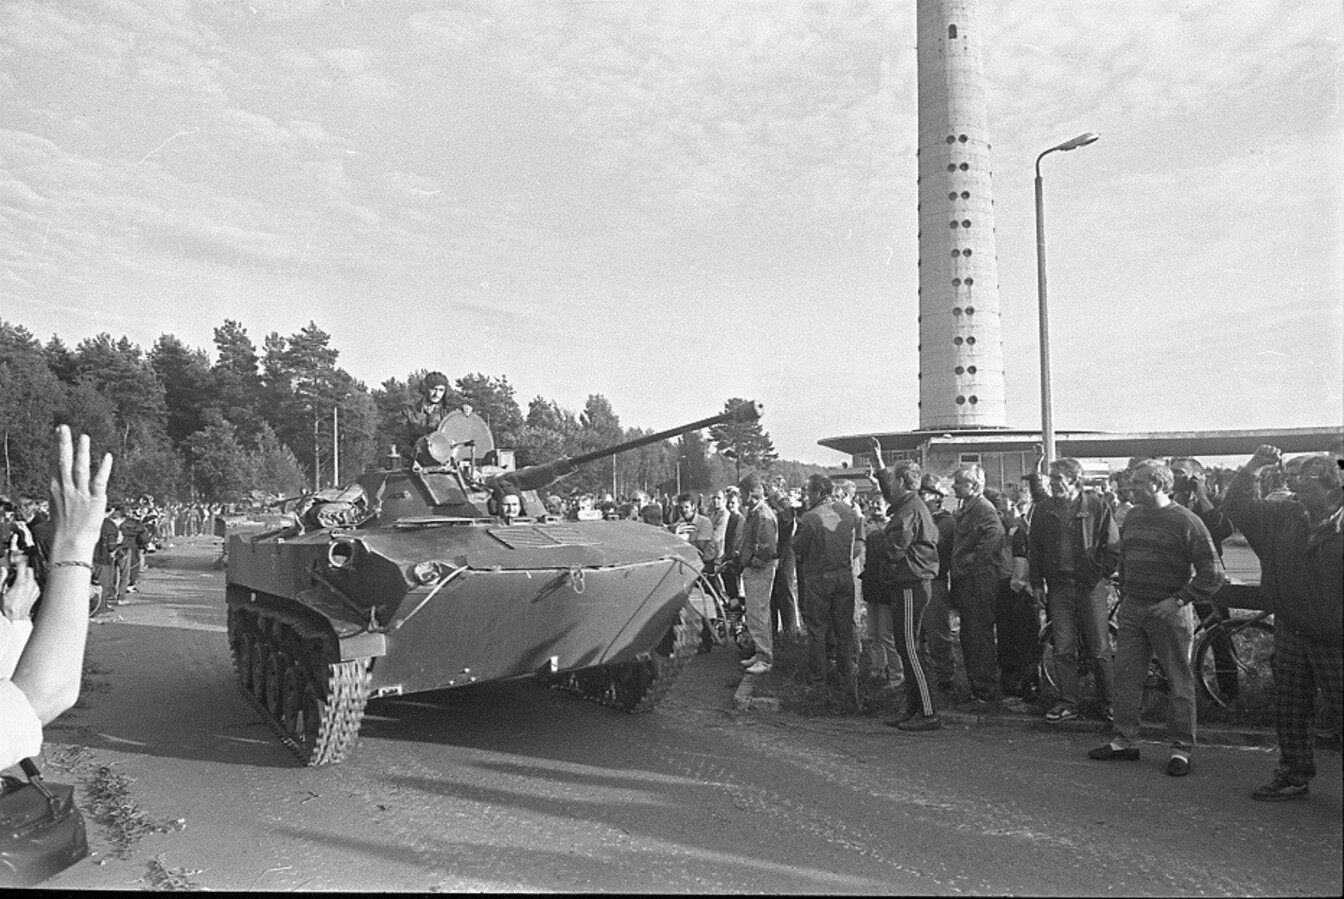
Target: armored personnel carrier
423,577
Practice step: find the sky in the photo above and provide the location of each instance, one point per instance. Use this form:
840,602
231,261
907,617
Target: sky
673,203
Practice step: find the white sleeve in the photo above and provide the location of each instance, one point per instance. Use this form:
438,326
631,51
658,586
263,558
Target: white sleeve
13,638
20,731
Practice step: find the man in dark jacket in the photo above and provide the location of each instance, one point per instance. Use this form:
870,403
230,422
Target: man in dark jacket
909,562
784,591
1073,549
1300,542
824,546
979,562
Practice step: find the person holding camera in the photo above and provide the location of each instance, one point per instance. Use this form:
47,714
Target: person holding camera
45,678
1300,543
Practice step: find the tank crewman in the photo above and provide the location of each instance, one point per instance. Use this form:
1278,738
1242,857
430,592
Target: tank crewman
510,507
425,416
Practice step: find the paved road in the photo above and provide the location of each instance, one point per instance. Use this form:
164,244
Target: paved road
513,787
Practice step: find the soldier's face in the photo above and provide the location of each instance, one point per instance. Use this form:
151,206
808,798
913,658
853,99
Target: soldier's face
436,393
512,507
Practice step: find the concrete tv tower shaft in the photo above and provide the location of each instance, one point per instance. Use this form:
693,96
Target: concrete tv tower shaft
961,348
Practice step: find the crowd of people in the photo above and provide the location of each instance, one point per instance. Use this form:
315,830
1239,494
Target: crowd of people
870,581
872,585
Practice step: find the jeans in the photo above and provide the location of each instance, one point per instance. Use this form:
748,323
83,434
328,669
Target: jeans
975,595
756,584
1164,629
828,609
882,654
937,632
1077,614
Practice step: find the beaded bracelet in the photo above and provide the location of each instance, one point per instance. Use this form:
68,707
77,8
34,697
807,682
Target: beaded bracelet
72,563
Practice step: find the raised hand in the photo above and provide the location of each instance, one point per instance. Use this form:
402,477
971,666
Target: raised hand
78,502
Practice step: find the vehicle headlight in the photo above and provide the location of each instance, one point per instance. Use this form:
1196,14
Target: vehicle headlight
425,572
341,553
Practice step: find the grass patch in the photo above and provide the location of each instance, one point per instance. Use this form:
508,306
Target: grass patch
789,680
111,806
170,880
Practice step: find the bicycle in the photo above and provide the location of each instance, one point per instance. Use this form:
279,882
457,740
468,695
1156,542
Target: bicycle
1233,655
1247,644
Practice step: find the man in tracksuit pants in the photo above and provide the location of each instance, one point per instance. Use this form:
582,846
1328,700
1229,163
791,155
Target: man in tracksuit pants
908,566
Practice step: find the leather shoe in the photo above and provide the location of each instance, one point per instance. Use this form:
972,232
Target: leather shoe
1109,753
1178,767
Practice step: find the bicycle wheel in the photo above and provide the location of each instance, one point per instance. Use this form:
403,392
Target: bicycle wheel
1046,669
1232,661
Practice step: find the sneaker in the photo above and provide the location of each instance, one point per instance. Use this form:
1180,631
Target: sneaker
1279,789
747,663
1178,766
131,589
1109,753
759,668
920,723
1060,713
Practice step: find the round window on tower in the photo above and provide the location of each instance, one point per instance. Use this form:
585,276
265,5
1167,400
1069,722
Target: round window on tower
961,401
957,341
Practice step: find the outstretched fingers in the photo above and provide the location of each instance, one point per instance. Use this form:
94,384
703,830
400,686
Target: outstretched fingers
65,454
81,470
98,489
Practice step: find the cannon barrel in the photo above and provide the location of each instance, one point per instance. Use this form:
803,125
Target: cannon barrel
535,477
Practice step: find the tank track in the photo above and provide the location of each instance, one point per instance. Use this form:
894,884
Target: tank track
637,686
289,668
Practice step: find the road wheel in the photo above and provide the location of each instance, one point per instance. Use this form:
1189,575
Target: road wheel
257,666
292,716
640,685
276,663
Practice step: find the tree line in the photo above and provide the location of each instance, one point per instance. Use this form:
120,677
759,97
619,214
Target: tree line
278,419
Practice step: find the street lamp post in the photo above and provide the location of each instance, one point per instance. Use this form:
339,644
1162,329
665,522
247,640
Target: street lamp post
1047,413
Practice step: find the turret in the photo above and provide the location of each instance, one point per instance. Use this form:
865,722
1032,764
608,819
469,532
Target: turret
536,477
458,490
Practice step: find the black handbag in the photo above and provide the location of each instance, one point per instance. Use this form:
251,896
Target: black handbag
41,829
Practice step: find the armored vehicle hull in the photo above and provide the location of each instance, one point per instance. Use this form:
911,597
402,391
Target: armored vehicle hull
393,602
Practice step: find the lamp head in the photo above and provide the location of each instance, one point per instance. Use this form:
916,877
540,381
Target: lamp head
1081,140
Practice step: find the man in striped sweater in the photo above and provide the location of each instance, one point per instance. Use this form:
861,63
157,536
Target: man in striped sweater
1167,562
